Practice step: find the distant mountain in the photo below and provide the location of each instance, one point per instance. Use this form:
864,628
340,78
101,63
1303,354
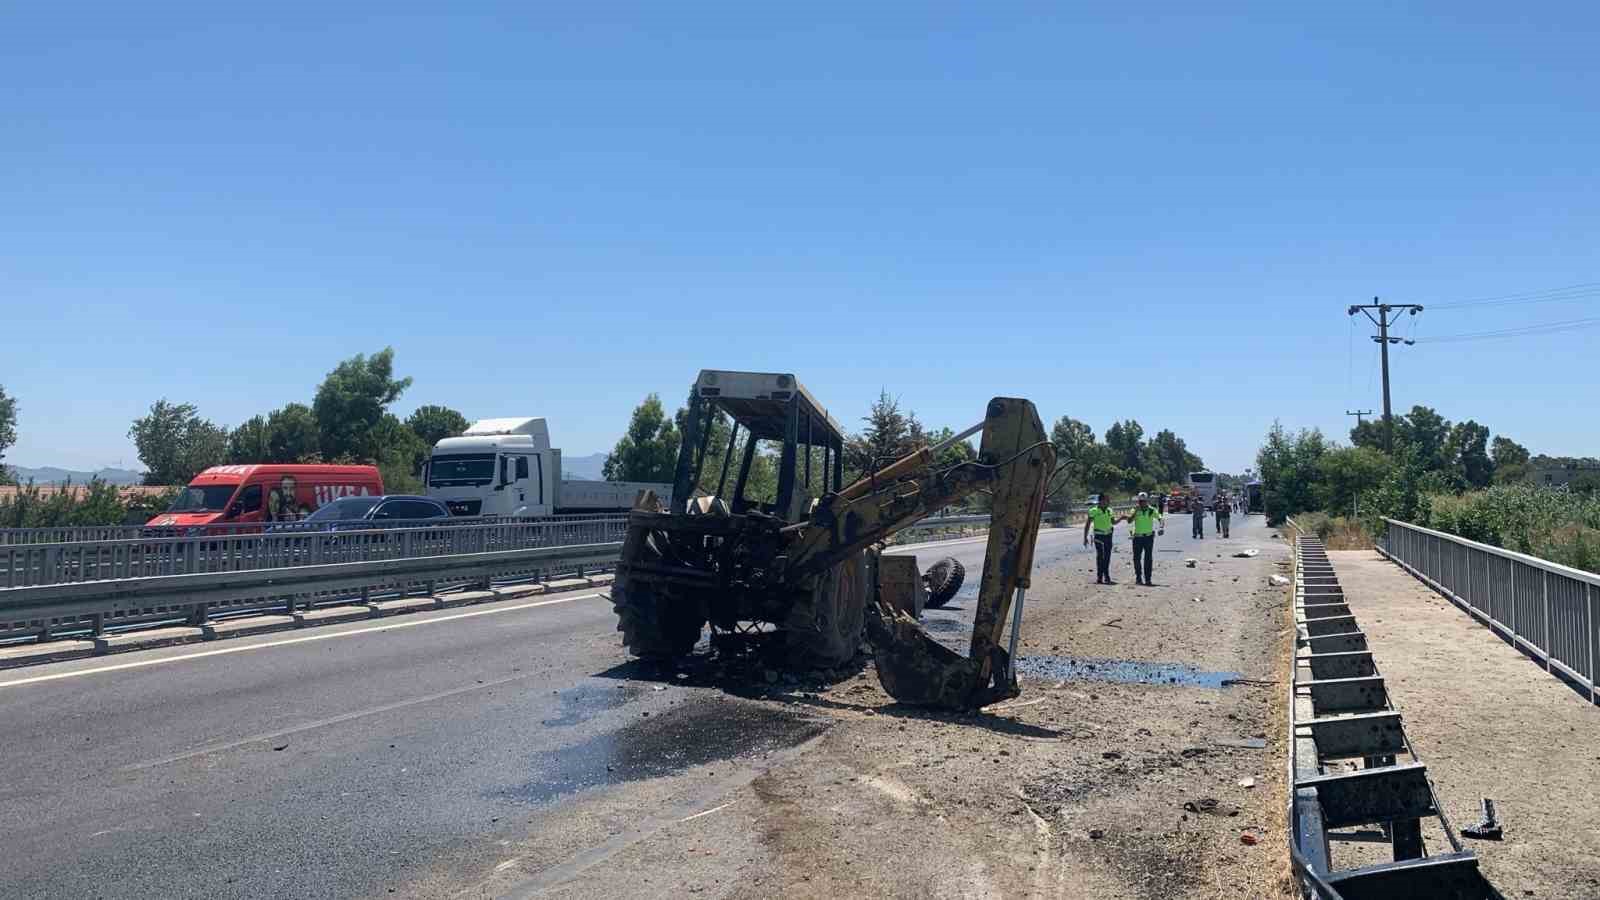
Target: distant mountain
588,468
53,475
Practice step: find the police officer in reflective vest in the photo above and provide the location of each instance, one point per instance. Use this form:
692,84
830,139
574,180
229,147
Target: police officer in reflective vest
1103,521
1147,523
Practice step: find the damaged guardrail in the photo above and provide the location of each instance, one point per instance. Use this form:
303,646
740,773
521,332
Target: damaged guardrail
1346,741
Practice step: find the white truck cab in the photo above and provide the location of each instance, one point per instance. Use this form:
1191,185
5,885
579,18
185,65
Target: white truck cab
506,467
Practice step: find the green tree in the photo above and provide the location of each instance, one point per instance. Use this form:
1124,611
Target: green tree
1289,467
1126,440
1168,459
397,451
293,435
8,431
433,424
887,437
175,444
649,449
351,403
1368,433
1344,473
1467,452
1426,432
248,442
1510,460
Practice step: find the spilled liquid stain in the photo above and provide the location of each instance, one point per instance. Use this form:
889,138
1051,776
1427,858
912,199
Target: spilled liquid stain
1120,671
943,624
663,745
584,702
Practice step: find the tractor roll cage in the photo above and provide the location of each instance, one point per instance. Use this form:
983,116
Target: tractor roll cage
763,406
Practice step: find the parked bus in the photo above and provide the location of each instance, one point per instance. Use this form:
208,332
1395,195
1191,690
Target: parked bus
1203,485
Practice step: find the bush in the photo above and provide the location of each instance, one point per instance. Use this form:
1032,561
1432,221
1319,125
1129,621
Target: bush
99,504
1337,532
1551,523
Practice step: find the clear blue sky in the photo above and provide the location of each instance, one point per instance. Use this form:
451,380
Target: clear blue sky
554,209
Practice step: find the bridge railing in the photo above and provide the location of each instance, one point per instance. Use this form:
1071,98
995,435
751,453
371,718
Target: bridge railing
1544,608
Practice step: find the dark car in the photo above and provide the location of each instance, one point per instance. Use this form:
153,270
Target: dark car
355,512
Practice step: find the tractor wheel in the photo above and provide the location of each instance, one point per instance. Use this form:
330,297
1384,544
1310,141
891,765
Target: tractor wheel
826,632
944,579
652,630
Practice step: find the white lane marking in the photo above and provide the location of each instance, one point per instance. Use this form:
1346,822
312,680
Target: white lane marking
709,811
394,626
319,723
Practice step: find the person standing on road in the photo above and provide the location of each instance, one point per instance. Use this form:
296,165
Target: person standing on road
1147,523
1197,509
1104,522
1161,503
1224,508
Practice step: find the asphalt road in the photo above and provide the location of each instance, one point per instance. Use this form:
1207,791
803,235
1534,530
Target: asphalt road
366,759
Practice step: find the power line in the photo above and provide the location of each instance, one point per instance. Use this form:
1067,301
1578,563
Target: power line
1523,331
1582,291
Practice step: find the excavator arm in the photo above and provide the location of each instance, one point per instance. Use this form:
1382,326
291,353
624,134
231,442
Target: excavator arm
1015,462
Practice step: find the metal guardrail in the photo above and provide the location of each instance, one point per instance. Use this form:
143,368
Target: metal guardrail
1546,609
96,606
24,565
79,533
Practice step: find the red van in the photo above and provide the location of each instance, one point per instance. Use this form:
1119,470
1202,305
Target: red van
267,492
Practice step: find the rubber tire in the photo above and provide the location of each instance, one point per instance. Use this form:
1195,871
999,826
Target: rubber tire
650,632
835,620
944,580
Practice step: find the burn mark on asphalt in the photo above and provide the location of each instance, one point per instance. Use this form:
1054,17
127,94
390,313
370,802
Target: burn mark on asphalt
656,746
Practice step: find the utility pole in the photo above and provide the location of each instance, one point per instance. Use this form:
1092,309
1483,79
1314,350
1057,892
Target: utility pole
1383,320
1358,413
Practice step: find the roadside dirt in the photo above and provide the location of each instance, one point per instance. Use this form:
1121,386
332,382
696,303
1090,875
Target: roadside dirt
1081,788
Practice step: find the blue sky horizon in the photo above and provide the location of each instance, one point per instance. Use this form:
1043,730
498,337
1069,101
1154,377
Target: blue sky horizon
1158,214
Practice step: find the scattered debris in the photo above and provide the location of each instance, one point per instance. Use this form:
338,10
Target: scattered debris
280,747
1279,580
1489,828
1209,806
1247,554
1197,600
1241,743
1191,562
1096,834
1249,839
1226,682
1114,623
1247,783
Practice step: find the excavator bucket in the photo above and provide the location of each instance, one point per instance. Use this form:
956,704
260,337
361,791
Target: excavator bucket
1016,461
917,670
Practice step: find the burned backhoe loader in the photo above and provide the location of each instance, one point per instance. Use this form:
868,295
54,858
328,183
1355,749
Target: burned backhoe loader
812,568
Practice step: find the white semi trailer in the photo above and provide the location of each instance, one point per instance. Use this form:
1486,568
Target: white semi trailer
506,467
